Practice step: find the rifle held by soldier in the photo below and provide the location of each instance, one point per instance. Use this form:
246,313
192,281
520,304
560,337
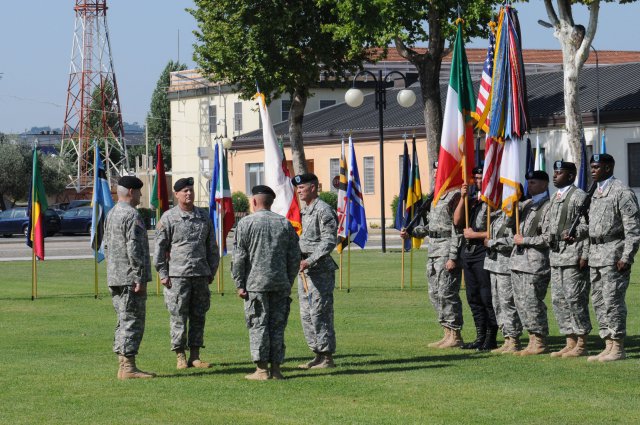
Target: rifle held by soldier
583,211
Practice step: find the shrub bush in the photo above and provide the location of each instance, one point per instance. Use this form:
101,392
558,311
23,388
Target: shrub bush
330,198
240,202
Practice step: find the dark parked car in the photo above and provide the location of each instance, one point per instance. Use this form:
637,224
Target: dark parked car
78,203
76,220
16,221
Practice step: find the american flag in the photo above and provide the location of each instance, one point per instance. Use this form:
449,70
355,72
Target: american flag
491,185
482,112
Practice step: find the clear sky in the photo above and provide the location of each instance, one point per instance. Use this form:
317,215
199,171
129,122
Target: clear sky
36,37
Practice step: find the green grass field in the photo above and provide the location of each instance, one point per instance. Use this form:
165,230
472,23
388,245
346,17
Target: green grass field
57,366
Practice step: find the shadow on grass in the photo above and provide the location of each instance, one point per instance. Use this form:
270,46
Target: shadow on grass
342,371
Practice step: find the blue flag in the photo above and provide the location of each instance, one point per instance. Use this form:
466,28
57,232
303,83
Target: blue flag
102,202
356,218
213,207
583,177
400,221
603,144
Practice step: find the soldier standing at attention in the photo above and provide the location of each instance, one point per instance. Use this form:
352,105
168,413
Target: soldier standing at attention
614,236
186,258
128,271
499,247
266,260
529,264
476,278
318,239
443,267
569,270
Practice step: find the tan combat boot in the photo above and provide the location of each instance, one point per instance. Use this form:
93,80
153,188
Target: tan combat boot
194,359
315,361
513,347
454,341
532,341
120,361
275,372
181,360
607,347
572,340
580,349
444,339
130,371
261,373
616,352
326,362
504,346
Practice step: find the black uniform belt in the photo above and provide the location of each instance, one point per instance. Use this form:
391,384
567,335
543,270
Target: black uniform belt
439,234
604,239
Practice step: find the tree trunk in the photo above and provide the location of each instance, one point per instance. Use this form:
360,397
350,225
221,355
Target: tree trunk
429,72
296,116
573,117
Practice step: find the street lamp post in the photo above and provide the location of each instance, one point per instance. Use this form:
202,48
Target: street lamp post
597,148
354,98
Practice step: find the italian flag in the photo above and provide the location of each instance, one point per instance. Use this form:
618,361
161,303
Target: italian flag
457,126
276,174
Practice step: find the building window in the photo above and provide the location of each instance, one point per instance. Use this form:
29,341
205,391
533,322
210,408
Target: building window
326,103
334,170
369,174
237,116
254,175
633,158
213,120
286,106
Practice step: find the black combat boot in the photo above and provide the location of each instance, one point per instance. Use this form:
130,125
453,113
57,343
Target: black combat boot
490,340
481,334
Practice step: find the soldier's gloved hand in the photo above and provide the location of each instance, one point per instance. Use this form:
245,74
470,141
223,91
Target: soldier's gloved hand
567,238
404,234
242,293
450,265
622,266
304,265
583,264
140,289
166,282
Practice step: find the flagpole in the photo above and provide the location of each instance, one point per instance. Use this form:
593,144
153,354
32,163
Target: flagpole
346,220
95,266
157,274
411,255
340,270
34,275
402,273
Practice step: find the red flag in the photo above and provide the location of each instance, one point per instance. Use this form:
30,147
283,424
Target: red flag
159,195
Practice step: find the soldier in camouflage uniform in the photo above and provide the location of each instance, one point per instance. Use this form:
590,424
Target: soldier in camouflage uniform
529,264
476,278
569,271
266,259
318,239
128,271
614,236
186,257
443,267
499,249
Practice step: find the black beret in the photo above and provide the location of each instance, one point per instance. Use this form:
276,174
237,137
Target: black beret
182,183
304,178
262,190
537,175
564,165
602,157
477,170
130,182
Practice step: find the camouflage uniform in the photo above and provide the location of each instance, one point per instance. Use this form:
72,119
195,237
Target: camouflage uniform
444,244
529,264
266,260
569,284
500,246
614,234
187,253
318,239
128,263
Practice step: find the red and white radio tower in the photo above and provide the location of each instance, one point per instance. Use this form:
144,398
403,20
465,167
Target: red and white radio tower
93,107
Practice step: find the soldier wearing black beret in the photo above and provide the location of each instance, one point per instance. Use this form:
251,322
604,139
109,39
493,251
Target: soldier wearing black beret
130,182
304,178
182,183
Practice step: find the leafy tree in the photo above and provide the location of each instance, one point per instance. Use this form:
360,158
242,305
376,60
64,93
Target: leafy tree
240,202
159,117
15,172
412,22
284,46
55,172
575,42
